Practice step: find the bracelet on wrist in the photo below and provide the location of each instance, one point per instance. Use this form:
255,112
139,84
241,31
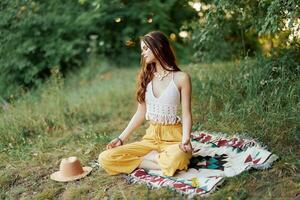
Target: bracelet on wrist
120,140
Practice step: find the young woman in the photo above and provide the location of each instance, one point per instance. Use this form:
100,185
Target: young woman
162,86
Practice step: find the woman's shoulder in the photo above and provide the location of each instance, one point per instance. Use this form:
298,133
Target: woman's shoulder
181,78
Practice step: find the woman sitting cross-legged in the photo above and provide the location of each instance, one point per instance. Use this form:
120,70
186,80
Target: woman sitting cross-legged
162,87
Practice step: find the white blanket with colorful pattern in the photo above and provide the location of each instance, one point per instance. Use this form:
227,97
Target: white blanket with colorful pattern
215,157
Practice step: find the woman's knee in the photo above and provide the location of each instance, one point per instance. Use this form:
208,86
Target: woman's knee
111,155
102,155
105,155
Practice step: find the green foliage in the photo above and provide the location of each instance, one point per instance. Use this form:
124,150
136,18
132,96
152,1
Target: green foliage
231,29
58,108
39,36
263,94
78,115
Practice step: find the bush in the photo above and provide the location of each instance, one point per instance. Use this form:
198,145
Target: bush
260,95
39,36
37,40
234,29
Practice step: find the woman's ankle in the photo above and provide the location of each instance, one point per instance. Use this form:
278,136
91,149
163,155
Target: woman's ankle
148,164
152,156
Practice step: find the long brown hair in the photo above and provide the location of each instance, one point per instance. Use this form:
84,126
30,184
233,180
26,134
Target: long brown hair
163,52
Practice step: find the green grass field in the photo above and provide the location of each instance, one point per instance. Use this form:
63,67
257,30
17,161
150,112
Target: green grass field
78,115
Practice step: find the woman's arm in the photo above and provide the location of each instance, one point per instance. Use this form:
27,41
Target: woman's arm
135,122
186,89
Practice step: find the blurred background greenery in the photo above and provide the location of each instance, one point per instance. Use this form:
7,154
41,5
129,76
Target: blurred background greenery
67,81
38,36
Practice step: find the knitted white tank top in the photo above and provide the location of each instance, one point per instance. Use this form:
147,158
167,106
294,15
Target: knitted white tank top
163,109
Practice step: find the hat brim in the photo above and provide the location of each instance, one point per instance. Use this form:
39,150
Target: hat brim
58,176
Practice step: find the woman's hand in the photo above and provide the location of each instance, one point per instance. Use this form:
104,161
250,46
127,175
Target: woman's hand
114,143
186,147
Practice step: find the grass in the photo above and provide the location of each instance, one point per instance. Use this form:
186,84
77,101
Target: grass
78,115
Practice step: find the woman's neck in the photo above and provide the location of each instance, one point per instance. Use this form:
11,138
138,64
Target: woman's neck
159,68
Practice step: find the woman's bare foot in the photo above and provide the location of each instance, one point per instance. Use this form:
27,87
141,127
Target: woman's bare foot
152,155
149,161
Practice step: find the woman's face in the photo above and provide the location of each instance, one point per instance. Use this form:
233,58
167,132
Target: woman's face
147,53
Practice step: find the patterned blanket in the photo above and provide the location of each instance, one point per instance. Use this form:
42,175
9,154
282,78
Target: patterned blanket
215,157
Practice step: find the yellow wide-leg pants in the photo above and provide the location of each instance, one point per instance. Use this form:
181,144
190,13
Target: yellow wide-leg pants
165,139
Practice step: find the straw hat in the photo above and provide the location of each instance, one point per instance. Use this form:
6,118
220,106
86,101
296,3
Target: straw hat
70,169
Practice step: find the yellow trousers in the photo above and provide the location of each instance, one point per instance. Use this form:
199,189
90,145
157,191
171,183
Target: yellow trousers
165,139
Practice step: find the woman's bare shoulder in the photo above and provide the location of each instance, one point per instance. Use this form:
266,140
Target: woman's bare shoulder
181,77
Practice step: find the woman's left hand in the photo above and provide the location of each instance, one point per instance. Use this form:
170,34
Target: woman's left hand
186,147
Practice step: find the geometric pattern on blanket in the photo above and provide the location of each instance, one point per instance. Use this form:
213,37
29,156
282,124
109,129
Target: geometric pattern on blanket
215,156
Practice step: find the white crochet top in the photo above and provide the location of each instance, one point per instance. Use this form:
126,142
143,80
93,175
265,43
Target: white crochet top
163,109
